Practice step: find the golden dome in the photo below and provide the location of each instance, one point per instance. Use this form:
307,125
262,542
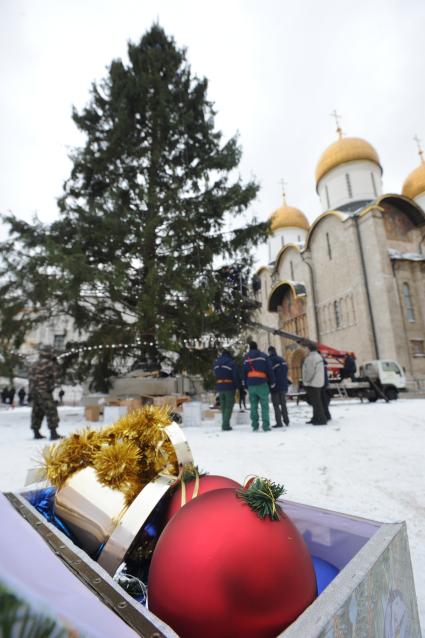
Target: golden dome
346,149
288,216
415,182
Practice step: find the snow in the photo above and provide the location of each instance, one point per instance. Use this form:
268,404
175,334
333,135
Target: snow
368,461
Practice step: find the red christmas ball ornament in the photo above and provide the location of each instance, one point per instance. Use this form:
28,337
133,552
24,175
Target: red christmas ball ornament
195,487
231,564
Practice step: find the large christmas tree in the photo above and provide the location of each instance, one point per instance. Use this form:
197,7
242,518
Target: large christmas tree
143,253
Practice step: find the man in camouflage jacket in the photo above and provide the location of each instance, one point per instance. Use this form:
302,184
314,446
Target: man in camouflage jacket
42,379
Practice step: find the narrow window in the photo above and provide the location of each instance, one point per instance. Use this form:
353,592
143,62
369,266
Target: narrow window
282,240
328,243
327,197
349,189
292,270
59,342
337,313
299,239
407,298
375,192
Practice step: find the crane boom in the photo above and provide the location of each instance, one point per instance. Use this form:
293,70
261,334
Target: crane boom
321,347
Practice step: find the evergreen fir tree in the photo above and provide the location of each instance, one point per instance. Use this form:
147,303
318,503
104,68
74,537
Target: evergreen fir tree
140,253
15,318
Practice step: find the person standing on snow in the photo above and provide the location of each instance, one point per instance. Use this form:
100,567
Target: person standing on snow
21,395
258,376
226,383
280,369
42,379
313,374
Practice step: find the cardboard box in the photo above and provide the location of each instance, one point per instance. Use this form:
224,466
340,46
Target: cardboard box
92,412
372,596
112,400
131,404
209,414
163,399
182,399
167,399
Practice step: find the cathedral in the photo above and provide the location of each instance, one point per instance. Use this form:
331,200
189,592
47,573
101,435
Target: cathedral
354,278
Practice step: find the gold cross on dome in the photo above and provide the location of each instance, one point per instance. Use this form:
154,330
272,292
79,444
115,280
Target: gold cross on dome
283,184
337,117
420,150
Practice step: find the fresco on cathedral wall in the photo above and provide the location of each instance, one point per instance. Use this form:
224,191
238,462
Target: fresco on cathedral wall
291,307
397,224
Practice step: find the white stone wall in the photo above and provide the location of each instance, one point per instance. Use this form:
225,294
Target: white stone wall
282,236
412,273
381,284
392,314
341,302
290,266
364,183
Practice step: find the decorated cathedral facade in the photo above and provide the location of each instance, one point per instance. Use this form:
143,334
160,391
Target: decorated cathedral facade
354,278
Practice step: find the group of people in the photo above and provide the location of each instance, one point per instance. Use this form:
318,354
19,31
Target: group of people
261,374
8,395
265,376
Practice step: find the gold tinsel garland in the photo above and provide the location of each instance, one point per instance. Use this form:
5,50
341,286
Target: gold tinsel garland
126,455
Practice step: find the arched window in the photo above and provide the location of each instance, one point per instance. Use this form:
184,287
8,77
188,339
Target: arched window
408,304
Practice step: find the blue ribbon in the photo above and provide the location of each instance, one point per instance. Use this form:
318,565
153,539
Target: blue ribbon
44,502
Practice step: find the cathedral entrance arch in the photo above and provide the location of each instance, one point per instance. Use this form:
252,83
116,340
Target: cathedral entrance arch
288,299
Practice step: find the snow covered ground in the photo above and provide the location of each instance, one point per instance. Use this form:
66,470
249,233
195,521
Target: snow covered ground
368,461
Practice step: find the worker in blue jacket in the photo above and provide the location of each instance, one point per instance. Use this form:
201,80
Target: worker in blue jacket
258,377
280,369
227,381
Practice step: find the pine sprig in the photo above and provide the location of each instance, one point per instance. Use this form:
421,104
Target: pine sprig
261,495
190,472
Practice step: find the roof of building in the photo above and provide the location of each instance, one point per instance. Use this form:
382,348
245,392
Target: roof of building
345,149
287,217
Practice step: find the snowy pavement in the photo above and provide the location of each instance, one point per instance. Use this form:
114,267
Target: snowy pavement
368,461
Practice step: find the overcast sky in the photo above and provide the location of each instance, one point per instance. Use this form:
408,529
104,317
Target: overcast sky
276,70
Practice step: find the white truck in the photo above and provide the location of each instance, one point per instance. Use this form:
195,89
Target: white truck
385,376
